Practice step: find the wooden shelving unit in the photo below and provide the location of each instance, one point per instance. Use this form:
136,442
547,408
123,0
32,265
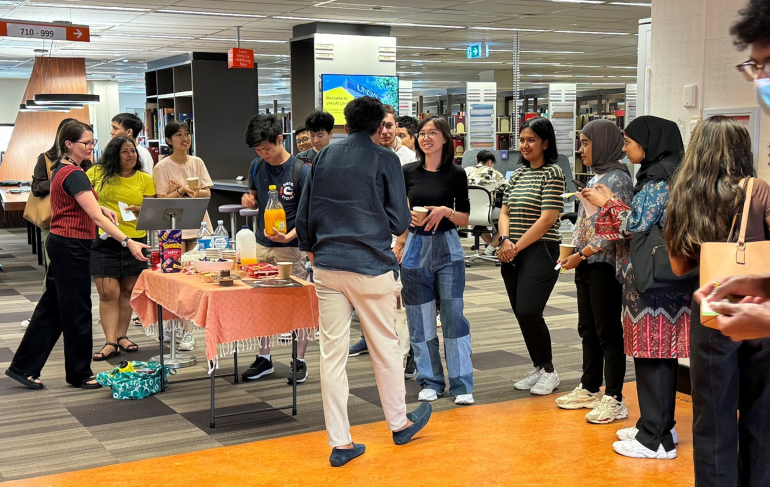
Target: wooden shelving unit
217,103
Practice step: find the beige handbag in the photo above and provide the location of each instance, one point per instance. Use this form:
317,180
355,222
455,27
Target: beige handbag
38,208
726,259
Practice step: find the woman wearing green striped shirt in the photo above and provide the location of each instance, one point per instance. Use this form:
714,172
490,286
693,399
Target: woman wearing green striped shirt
529,246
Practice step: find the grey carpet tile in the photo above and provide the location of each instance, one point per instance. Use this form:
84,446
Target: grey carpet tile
99,430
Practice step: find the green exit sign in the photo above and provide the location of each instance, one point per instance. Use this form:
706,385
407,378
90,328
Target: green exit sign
477,51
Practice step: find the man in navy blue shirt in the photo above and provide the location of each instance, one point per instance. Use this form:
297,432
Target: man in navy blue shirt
275,167
354,201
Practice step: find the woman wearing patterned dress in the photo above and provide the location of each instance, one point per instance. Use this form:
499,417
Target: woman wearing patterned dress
656,327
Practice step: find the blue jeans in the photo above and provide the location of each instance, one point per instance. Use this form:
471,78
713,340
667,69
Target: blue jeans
429,259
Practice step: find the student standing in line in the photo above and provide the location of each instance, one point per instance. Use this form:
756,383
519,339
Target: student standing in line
729,450
656,327
597,279
117,178
529,246
391,141
320,126
302,138
346,217
129,125
65,306
274,166
406,130
170,175
431,252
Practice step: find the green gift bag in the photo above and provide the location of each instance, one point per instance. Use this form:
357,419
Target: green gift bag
143,381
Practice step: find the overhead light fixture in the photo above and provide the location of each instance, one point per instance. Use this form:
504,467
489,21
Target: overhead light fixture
24,108
427,26
39,106
425,48
551,52
592,32
312,19
87,7
210,14
511,29
594,2
224,39
622,67
145,36
66,99
632,4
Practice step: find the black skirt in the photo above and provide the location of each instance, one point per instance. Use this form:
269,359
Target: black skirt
110,259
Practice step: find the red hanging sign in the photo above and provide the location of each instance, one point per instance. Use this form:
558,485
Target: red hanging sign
240,58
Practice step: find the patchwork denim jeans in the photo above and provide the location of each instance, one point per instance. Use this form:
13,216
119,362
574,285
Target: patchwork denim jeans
428,259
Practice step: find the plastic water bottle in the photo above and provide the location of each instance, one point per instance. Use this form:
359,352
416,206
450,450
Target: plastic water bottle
246,245
221,239
204,237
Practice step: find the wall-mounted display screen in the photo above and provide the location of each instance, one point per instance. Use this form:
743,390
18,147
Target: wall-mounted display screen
338,89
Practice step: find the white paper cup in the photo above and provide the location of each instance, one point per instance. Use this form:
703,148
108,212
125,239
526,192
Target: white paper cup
192,183
284,270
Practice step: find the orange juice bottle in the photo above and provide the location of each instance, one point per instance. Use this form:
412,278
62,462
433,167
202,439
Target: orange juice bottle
275,217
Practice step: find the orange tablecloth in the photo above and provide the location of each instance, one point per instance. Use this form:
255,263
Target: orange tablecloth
229,314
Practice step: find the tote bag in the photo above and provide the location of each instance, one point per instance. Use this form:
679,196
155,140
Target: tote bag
727,259
38,208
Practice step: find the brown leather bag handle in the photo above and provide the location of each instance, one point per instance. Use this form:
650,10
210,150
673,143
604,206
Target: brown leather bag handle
740,251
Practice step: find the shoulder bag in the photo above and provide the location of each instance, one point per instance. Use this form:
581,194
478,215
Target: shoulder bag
726,259
652,267
38,208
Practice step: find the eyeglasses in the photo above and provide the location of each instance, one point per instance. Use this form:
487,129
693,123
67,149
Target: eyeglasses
87,145
130,152
752,70
303,141
428,135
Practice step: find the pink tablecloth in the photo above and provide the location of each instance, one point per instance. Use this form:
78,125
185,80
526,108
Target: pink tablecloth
228,314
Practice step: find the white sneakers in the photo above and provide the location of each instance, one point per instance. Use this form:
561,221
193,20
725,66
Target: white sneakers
630,434
464,399
579,398
539,382
490,251
546,384
634,449
187,343
427,395
530,380
608,410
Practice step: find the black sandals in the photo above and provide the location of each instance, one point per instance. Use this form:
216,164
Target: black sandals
100,356
28,381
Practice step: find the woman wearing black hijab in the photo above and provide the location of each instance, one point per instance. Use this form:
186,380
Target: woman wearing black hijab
599,291
656,327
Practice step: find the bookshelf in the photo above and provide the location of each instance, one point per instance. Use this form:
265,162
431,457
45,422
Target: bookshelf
215,101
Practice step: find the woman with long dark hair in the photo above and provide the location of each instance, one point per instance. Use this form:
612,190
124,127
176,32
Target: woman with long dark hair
529,246
597,279
431,252
65,307
656,327
118,178
728,451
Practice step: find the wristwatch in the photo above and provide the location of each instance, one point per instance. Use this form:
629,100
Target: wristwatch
500,240
124,243
582,256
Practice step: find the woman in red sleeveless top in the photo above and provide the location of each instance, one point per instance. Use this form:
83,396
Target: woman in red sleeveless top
65,307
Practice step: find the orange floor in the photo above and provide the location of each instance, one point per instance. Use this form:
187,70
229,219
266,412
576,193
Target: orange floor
526,442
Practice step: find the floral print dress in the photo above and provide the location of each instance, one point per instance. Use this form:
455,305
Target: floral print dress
654,326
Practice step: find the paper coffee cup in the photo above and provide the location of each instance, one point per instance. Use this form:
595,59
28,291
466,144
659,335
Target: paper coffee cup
284,270
192,183
422,212
565,250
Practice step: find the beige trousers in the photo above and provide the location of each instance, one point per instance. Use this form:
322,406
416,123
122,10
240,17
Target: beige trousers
274,255
374,299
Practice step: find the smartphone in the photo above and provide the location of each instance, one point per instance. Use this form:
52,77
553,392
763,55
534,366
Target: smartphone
579,185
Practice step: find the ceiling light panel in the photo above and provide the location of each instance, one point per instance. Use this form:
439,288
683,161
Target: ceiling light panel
210,14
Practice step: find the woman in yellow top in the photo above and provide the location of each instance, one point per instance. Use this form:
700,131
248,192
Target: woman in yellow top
121,185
